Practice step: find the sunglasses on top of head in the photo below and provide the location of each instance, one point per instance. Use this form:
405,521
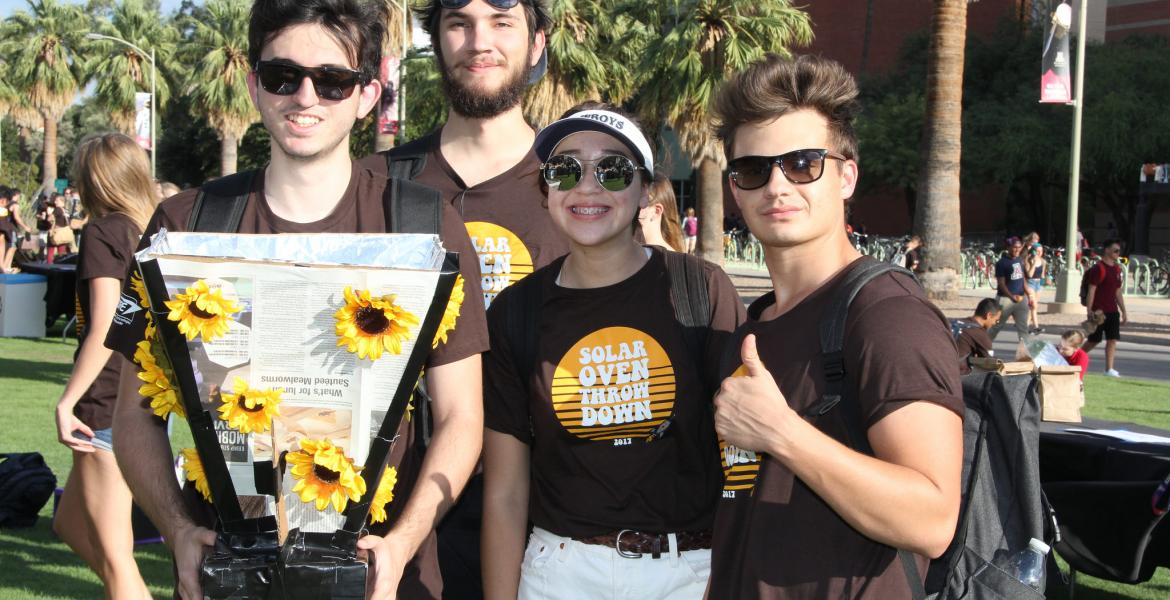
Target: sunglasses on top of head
500,4
330,83
614,172
798,166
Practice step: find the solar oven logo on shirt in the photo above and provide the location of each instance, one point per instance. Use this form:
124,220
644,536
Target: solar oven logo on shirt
616,384
503,257
127,306
740,467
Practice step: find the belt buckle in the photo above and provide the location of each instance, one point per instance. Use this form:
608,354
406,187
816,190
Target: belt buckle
618,545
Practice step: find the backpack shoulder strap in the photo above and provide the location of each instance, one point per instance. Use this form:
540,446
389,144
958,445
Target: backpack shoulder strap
692,303
219,205
412,207
408,160
832,338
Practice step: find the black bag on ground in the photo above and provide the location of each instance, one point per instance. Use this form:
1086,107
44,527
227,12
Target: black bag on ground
1001,505
26,484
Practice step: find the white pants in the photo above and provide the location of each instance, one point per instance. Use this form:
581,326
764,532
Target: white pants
565,569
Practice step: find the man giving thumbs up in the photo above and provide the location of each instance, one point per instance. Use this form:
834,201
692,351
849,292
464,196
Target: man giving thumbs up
802,514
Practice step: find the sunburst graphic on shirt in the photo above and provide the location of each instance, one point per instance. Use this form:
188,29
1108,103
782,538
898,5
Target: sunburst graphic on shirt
503,257
616,382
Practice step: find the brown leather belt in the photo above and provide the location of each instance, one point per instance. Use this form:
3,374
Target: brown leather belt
633,544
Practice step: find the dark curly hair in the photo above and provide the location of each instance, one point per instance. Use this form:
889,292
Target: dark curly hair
359,26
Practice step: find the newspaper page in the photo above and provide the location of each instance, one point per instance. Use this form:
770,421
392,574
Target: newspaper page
284,338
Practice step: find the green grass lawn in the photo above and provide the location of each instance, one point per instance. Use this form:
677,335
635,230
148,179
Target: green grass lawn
34,564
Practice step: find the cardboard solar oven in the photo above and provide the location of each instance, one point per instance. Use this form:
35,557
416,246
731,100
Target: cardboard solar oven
294,358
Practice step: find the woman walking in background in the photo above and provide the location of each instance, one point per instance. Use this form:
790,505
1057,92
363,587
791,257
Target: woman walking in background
690,229
113,177
658,220
1035,270
9,223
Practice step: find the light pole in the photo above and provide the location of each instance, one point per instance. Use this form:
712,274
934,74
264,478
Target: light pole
1068,285
153,100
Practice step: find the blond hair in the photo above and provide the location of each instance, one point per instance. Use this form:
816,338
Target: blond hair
113,176
662,194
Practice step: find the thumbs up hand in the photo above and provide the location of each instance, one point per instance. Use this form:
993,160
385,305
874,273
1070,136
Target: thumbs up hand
750,410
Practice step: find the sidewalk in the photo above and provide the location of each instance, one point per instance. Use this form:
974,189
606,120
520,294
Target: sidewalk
1149,318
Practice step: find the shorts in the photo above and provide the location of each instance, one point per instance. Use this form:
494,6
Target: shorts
1036,285
103,439
1110,329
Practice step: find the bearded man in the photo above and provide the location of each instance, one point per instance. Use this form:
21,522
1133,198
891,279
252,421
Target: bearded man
481,161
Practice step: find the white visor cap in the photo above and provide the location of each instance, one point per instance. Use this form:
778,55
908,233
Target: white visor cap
602,121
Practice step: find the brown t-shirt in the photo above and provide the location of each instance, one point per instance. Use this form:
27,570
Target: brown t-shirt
359,211
774,537
107,250
505,215
612,364
973,342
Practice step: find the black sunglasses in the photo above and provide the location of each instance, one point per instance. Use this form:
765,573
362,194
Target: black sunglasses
330,83
500,4
614,172
798,166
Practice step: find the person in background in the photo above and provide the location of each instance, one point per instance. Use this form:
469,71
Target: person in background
690,228
971,339
94,515
1070,348
1011,290
10,221
913,252
168,189
1035,270
58,219
658,220
1107,294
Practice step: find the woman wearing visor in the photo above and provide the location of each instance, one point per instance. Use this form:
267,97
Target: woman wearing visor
599,428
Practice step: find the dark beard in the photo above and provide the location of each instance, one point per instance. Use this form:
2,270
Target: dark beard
474,104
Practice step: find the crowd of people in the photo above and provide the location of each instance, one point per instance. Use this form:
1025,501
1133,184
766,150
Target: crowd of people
724,486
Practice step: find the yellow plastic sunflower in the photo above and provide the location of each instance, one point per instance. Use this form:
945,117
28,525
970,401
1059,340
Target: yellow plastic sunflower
367,325
250,410
384,495
156,377
451,313
139,288
202,311
325,474
193,469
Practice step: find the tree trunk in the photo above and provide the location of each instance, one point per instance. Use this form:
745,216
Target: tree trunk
229,148
936,217
49,155
710,183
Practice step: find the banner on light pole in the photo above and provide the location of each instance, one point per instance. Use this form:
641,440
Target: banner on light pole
388,106
142,121
1055,80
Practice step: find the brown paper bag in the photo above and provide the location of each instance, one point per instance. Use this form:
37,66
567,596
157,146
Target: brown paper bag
1002,367
1061,396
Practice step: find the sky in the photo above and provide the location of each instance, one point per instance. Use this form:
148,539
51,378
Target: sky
7,7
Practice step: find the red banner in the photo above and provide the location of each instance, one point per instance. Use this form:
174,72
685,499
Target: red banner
1055,80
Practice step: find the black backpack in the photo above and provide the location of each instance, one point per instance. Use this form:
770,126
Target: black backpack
26,484
1085,284
1001,506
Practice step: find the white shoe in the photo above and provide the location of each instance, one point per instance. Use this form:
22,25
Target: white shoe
1112,373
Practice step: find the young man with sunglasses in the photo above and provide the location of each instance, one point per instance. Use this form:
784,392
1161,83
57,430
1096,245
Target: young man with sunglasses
803,514
1107,294
313,77
488,52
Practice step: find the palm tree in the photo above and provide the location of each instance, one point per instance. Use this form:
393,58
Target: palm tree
43,45
119,72
936,216
705,42
218,85
585,60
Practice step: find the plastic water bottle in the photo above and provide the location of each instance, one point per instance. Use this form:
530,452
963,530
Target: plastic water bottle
1028,564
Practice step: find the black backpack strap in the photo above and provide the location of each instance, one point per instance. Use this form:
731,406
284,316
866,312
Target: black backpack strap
692,304
406,162
219,205
832,337
412,208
